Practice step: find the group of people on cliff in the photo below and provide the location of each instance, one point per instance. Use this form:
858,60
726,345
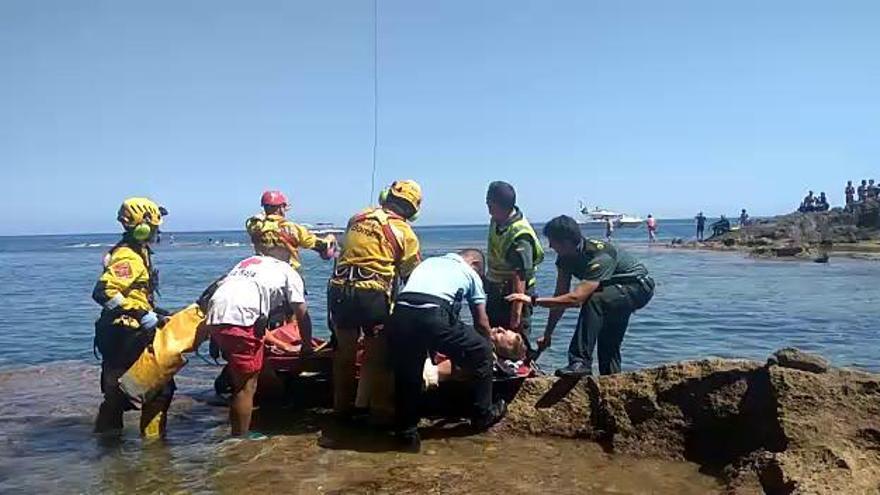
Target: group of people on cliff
853,195
814,203
867,190
385,302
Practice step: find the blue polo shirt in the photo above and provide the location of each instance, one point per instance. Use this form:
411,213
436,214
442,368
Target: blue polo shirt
443,277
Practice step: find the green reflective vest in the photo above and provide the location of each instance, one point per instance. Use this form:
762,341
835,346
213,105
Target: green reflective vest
499,270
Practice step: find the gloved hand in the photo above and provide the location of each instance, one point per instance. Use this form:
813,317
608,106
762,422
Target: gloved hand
149,321
544,342
329,251
114,302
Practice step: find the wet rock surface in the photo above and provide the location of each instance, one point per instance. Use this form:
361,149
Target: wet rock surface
799,360
810,235
794,425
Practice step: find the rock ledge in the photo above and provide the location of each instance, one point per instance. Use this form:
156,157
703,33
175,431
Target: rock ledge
794,425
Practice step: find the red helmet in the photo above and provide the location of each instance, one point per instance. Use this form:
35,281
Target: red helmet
273,198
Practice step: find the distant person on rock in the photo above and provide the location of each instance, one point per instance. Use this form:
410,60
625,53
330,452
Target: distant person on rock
613,284
822,203
809,203
652,229
743,218
850,193
863,190
872,191
722,226
701,225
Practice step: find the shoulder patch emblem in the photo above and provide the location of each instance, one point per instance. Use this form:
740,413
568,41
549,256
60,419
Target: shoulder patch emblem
594,266
598,244
122,270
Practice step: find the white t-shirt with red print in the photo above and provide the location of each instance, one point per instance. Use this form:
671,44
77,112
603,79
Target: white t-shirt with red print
256,286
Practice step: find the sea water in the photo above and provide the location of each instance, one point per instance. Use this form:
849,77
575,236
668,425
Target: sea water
706,304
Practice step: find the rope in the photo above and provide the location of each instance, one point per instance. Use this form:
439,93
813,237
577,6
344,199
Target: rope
375,96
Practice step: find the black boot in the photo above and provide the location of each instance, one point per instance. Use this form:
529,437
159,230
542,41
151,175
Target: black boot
576,369
408,441
496,413
109,418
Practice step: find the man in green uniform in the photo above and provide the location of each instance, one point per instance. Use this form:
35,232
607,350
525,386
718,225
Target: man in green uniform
613,285
514,253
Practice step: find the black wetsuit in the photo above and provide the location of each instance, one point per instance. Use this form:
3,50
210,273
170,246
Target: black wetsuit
701,226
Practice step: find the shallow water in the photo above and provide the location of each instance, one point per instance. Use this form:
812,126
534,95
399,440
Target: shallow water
48,447
707,304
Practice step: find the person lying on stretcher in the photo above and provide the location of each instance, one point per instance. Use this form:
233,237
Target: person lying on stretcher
510,352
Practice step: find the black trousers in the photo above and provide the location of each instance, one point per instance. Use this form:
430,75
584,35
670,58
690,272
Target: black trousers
120,348
412,333
603,320
354,308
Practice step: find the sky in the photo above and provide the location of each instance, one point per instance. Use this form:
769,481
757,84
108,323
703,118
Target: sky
665,108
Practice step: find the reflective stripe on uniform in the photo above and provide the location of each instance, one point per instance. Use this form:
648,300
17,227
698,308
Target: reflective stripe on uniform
394,238
499,270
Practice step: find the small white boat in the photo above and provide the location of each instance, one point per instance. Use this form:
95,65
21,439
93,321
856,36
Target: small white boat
324,228
598,216
630,221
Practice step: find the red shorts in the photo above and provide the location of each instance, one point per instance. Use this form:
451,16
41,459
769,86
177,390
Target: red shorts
241,348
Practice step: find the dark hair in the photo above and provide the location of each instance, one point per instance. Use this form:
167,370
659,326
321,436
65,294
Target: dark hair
563,228
502,194
273,209
399,206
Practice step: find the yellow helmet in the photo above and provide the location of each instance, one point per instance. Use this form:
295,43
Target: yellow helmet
269,231
407,190
135,211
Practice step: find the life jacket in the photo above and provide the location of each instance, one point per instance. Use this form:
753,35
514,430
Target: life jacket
499,270
276,229
129,272
372,251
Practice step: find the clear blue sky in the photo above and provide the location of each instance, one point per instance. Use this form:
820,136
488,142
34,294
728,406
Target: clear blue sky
663,107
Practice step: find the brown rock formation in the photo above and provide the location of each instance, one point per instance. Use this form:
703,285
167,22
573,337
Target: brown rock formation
794,425
810,235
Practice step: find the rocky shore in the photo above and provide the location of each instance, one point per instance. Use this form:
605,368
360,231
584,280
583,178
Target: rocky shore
791,425
813,235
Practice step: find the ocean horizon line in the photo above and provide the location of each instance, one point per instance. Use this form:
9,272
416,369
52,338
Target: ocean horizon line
240,230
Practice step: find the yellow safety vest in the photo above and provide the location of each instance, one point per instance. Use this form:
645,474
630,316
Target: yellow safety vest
129,273
377,247
295,236
499,270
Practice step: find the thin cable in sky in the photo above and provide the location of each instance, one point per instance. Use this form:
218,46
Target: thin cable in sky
375,95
